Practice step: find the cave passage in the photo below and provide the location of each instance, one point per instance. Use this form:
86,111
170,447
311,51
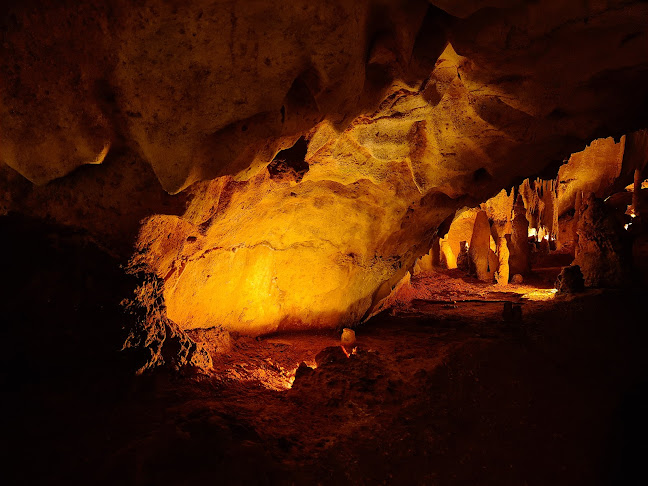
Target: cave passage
323,242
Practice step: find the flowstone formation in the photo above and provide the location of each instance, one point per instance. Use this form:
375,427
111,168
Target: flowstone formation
314,147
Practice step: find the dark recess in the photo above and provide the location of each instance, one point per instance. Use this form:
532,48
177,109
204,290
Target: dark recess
290,163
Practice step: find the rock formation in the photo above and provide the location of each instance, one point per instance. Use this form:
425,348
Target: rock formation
520,252
463,260
601,251
570,280
502,274
479,250
313,147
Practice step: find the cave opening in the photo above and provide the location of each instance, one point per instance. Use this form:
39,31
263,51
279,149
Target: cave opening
321,242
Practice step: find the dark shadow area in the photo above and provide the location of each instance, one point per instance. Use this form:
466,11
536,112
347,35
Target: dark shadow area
290,162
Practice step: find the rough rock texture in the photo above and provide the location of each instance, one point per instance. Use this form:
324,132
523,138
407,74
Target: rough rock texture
502,274
448,258
460,230
499,209
570,280
463,259
68,322
153,337
479,249
594,170
198,89
108,201
520,251
601,251
374,129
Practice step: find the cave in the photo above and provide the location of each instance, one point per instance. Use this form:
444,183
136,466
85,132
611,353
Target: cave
325,242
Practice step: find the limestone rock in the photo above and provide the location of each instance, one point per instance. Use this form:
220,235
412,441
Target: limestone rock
591,170
448,259
154,338
570,280
395,127
502,274
601,248
520,251
463,260
479,250
499,209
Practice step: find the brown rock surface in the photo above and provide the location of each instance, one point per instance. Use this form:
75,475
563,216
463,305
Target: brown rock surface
601,248
520,252
399,129
479,249
570,280
591,170
502,274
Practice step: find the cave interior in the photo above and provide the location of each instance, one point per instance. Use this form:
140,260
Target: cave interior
324,242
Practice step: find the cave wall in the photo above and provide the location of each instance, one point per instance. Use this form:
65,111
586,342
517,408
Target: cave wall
407,110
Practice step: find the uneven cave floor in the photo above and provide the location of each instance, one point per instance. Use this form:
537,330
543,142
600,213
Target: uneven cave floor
436,393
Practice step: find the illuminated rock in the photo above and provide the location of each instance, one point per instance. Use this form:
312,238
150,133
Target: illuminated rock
348,338
481,262
448,259
424,264
592,170
153,338
502,274
461,230
499,209
520,251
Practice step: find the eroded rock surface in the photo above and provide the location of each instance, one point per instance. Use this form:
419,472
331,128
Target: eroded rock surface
399,112
602,249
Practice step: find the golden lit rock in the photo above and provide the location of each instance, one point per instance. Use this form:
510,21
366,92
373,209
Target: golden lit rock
480,250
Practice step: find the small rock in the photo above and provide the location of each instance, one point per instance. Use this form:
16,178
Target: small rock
348,338
517,279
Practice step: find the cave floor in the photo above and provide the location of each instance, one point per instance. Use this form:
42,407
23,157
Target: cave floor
440,391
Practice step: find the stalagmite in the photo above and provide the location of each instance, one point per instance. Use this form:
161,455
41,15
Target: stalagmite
480,248
520,253
448,259
502,275
463,259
